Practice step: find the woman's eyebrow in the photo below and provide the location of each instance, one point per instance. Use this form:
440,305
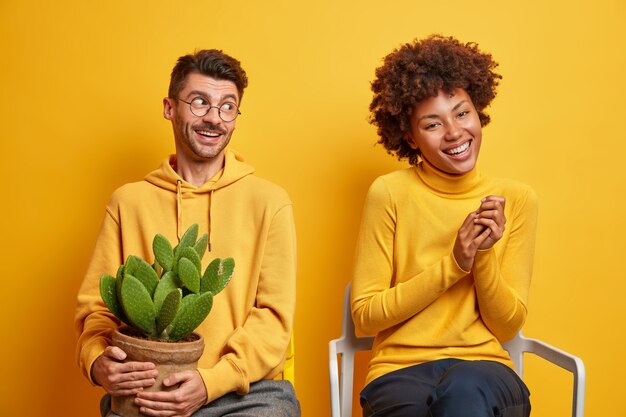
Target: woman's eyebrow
459,104
429,116
436,116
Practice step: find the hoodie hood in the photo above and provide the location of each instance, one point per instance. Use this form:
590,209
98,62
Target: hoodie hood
167,178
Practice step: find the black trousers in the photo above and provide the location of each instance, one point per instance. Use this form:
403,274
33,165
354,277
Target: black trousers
448,388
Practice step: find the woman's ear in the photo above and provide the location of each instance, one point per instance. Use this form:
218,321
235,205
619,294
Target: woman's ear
409,136
410,140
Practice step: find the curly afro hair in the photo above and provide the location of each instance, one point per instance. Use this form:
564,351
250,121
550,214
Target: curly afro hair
418,70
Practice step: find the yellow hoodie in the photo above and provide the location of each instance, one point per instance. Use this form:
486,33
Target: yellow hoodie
247,218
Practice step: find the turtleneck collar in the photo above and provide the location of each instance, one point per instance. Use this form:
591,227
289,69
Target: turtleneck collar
445,183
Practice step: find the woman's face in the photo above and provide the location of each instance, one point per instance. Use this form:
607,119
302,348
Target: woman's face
446,129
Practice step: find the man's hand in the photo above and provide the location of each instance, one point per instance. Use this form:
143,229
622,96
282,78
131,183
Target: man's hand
491,217
119,378
180,402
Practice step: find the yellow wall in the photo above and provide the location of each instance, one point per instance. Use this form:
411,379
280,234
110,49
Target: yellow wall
82,84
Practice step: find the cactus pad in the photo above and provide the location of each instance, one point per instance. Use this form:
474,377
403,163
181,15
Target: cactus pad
138,305
195,309
167,283
109,296
188,274
132,262
120,272
217,275
163,252
191,254
188,239
201,245
168,310
147,276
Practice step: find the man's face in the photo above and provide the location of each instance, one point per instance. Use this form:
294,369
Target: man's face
447,131
203,138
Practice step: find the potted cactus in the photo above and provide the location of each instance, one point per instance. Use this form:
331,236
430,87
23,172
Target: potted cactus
163,303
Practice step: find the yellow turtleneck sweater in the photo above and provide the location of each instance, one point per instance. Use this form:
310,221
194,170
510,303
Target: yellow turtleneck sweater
407,287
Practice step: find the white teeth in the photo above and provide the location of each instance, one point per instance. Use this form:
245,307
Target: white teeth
210,134
459,149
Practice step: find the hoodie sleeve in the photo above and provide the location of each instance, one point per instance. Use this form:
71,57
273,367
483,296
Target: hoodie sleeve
256,350
93,321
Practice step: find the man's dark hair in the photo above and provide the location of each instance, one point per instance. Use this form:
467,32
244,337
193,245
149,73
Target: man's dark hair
210,62
419,70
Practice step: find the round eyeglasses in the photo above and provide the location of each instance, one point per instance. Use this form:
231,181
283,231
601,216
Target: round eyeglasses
200,107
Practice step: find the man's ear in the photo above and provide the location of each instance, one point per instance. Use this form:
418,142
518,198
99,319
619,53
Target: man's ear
168,108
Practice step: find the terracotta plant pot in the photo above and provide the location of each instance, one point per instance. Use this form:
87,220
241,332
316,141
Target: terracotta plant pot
169,357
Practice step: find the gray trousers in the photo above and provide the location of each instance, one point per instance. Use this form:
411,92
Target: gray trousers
266,398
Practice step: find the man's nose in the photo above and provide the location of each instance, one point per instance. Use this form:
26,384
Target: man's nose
213,115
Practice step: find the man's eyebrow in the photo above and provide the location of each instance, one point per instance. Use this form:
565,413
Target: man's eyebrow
231,96
203,94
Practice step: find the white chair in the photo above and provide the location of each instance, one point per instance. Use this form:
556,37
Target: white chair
341,376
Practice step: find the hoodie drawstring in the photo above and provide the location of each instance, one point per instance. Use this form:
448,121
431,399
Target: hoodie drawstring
179,209
179,212
210,223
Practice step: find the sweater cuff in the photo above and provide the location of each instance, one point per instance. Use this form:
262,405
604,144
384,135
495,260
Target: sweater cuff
484,256
459,271
90,354
223,378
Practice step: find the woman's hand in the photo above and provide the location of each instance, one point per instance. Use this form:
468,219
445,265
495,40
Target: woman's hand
491,217
480,230
468,239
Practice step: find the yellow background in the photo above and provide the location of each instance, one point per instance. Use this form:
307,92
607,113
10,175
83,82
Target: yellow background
81,113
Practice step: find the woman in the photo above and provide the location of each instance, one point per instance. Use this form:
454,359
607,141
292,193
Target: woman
444,255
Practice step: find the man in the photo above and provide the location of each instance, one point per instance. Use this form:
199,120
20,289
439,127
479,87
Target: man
246,218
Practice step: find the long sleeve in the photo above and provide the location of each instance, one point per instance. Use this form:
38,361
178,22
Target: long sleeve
257,349
93,321
376,303
502,285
